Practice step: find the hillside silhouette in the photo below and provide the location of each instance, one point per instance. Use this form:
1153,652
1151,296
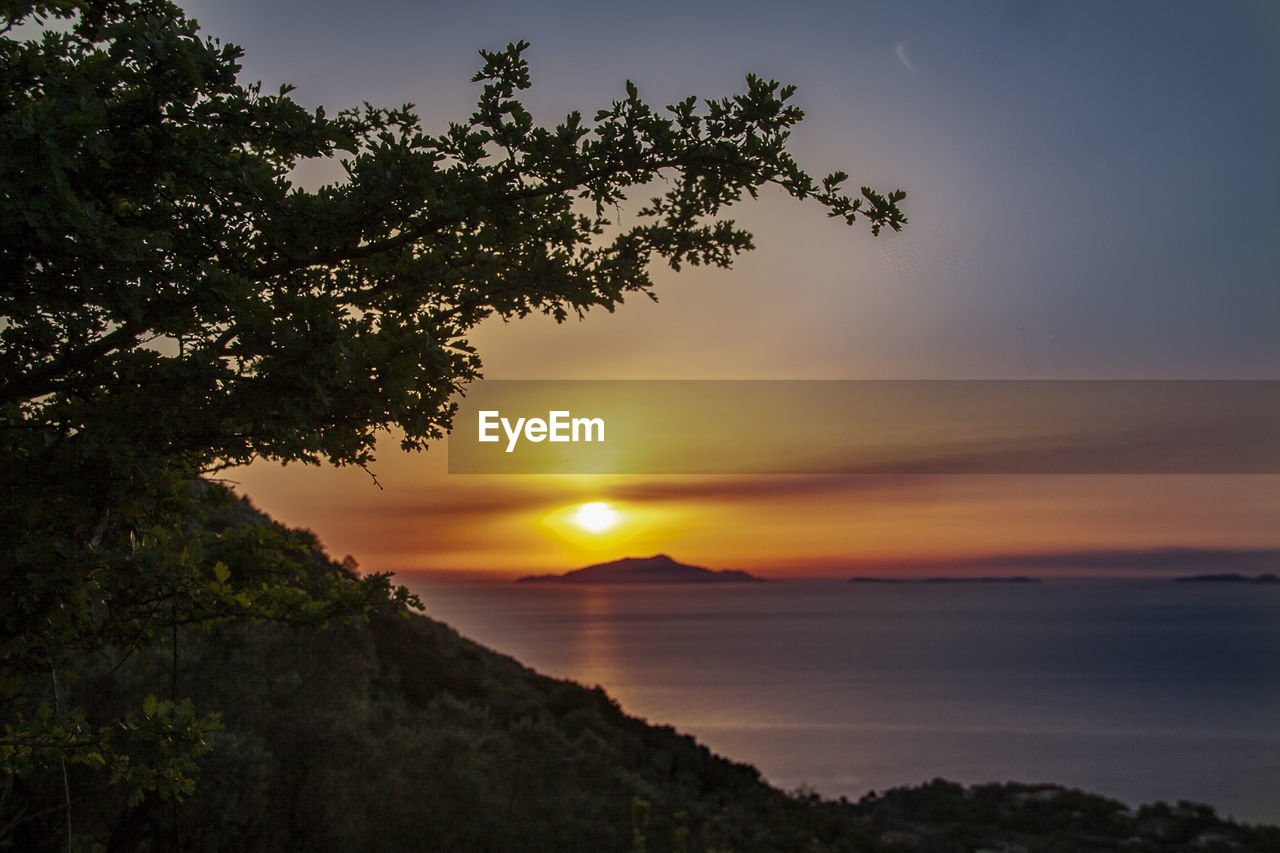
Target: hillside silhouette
394,733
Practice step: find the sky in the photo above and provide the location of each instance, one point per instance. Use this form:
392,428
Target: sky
1092,194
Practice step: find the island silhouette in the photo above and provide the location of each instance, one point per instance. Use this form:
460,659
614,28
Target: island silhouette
1230,577
959,579
659,568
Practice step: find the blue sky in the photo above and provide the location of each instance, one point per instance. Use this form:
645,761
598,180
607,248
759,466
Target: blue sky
1093,187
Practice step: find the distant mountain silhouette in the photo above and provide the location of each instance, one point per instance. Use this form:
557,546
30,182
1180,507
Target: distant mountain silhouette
656,569
1013,579
1229,578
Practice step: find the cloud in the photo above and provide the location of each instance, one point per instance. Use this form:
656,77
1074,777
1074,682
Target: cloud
1219,442
542,496
901,50
880,487
1165,560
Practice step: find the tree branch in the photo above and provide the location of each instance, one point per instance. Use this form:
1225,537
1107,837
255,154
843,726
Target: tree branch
46,378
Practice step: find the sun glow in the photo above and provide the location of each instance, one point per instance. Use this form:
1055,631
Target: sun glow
595,526
595,517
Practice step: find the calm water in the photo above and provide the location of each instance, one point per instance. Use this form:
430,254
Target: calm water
1140,690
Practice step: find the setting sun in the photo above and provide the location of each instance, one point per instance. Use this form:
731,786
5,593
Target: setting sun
592,527
595,517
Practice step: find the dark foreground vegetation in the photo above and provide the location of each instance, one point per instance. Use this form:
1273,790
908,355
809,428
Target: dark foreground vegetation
172,305
392,733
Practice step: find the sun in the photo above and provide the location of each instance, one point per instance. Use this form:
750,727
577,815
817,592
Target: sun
596,525
595,517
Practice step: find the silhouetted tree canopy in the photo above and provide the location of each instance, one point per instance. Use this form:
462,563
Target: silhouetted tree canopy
173,304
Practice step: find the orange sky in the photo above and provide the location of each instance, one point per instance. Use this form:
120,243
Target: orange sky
777,526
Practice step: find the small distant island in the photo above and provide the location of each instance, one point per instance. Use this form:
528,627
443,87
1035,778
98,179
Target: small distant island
1229,577
1014,579
656,569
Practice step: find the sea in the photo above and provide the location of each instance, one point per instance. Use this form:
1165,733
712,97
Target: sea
1140,690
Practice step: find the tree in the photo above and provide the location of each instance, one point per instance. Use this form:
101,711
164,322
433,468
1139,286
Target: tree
172,305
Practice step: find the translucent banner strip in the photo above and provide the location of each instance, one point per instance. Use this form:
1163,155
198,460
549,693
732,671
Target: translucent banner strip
868,427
